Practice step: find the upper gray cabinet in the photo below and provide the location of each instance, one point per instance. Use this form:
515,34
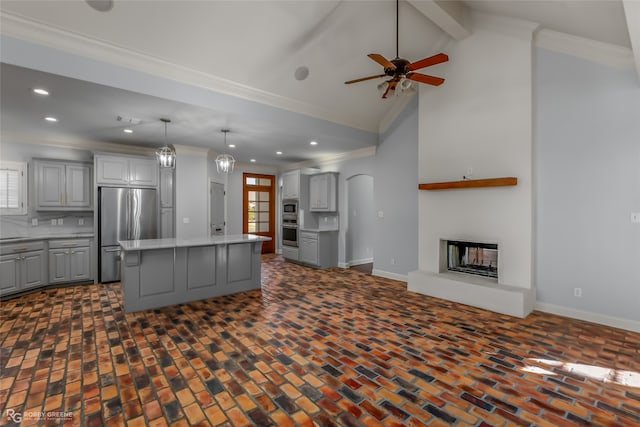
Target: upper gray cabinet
63,185
322,192
291,184
126,171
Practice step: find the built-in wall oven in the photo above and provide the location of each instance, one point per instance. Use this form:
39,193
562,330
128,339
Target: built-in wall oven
290,223
290,235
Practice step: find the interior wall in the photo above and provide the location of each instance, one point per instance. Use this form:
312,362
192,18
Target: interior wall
396,196
360,224
480,121
587,157
191,190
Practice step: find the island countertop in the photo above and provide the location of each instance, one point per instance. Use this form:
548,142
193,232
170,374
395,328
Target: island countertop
149,244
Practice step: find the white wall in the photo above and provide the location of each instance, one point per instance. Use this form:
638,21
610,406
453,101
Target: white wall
191,189
396,196
587,157
480,118
360,230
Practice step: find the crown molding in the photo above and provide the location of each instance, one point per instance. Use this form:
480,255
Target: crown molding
602,53
39,33
190,150
342,157
89,145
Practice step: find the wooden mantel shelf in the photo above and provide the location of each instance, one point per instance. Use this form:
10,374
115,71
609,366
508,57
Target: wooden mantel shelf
470,183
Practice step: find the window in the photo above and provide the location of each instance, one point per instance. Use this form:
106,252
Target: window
13,188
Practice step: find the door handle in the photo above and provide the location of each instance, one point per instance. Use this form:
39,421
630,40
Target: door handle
112,250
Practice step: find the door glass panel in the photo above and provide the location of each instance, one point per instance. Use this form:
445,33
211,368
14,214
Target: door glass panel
264,196
263,216
253,196
263,206
251,180
264,227
264,181
252,227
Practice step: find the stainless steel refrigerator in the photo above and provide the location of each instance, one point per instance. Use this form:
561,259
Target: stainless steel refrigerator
125,214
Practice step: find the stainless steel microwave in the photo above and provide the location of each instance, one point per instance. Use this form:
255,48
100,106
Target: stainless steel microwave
290,207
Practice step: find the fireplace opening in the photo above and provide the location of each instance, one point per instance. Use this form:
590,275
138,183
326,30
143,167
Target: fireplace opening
480,259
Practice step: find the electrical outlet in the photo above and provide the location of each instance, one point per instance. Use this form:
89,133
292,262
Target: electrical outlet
60,221
577,292
34,222
80,221
635,217
380,214
54,221
393,261
186,220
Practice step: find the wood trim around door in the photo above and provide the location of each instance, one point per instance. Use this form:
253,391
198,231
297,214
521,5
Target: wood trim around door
267,247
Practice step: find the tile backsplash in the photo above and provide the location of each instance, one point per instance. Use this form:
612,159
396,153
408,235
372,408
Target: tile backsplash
45,224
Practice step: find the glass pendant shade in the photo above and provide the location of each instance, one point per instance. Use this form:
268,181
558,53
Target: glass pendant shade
166,154
224,163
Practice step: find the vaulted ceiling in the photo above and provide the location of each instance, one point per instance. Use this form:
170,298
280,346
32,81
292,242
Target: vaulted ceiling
246,56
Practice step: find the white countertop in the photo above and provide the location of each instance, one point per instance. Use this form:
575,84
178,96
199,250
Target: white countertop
147,244
318,230
70,235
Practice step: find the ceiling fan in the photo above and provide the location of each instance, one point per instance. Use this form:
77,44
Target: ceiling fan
401,70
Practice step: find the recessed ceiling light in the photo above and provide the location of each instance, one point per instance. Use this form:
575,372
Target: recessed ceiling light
231,145
279,153
313,143
51,119
100,5
127,131
252,160
41,91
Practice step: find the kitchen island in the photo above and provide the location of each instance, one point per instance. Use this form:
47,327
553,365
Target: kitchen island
161,272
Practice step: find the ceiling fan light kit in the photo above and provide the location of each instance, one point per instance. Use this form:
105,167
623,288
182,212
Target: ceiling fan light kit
401,71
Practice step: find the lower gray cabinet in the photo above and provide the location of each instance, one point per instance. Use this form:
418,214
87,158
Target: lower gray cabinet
22,266
69,261
318,248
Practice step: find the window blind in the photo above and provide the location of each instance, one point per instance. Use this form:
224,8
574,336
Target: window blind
10,188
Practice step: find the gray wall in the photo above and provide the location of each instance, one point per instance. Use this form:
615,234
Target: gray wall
359,235
396,195
587,170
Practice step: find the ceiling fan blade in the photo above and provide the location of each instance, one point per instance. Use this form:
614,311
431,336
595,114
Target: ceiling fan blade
423,78
364,78
382,60
432,60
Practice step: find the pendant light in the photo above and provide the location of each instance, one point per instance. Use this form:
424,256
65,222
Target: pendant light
225,162
166,154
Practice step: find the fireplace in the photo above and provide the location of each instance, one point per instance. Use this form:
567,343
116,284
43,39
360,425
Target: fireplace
480,259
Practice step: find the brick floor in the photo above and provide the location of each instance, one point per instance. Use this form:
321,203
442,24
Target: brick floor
313,347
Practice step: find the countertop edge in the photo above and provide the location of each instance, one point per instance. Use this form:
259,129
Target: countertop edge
151,244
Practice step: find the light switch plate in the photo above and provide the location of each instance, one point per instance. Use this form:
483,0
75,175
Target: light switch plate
34,222
186,220
54,221
60,221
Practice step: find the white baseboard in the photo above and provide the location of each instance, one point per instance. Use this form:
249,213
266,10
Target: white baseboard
360,261
343,265
603,319
390,275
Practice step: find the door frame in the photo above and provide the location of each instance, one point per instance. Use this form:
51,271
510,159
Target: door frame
270,246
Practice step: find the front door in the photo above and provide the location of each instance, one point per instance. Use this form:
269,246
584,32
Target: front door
258,207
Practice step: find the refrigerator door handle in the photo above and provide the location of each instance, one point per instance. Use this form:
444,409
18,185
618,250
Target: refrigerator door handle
128,193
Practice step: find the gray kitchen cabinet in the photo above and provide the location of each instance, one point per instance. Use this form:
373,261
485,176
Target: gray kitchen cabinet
291,184
291,253
166,223
322,192
166,188
22,266
319,248
63,185
69,260
126,171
